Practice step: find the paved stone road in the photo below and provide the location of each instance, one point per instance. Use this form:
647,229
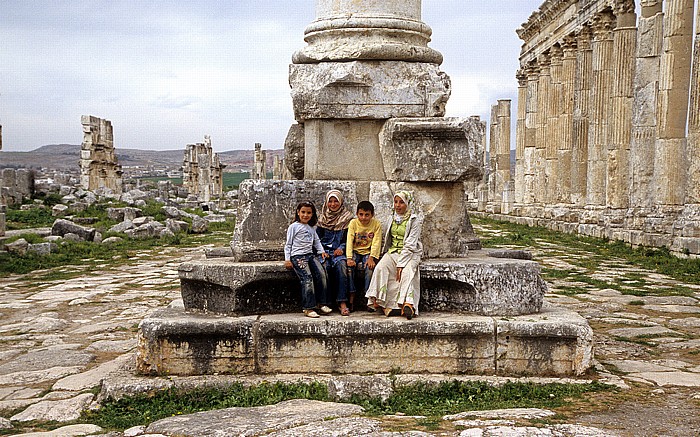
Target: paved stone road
62,337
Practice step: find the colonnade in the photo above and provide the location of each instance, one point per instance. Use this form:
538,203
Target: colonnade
608,121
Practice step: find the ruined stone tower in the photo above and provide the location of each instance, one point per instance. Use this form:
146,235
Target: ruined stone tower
98,160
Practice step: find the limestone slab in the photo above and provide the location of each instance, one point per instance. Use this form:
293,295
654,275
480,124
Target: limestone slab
368,90
664,379
254,420
174,342
478,284
58,411
442,149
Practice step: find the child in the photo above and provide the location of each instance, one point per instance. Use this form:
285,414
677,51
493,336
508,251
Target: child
364,245
299,255
332,230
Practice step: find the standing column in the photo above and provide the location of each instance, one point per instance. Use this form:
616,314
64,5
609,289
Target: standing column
503,154
624,48
553,130
520,135
494,194
543,84
603,24
644,114
670,171
566,126
529,150
693,195
582,94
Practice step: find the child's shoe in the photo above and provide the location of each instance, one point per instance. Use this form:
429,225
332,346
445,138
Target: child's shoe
311,313
325,310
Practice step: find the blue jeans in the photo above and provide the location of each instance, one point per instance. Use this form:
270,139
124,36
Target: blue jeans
360,271
338,277
314,284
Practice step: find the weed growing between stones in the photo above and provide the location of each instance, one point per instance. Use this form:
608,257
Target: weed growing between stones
144,409
432,400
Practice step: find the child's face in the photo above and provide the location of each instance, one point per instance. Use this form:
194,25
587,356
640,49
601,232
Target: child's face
399,206
364,216
333,204
305,214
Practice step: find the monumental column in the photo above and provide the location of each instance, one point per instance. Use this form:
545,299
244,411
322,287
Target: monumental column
624,48
582,94
520,135
694,123
598,141
644,113
566,123
531,120
553,129
670,161
543,90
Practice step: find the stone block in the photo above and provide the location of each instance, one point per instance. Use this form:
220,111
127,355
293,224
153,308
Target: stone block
368,90
2,224
555,341
173,342
62,227
432,149
376,344
478,284
294,150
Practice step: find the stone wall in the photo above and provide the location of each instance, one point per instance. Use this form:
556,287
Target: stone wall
98,161
606,140
202,171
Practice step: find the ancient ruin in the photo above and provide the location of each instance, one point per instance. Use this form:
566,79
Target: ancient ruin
608,122
259,170
369,101
202,171
99,168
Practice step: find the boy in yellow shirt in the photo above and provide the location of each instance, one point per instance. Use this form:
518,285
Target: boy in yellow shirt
363,245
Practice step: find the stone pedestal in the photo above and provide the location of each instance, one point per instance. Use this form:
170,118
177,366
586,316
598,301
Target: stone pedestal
554,342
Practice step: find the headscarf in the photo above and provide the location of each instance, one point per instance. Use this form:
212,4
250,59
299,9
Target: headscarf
334,220
407,198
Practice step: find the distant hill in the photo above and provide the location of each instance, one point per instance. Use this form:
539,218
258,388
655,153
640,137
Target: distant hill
66,156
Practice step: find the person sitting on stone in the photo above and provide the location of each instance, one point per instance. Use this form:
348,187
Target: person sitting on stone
363,247
332,229
395,284
299,255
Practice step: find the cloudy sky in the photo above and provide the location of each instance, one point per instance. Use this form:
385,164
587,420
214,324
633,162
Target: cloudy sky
168,72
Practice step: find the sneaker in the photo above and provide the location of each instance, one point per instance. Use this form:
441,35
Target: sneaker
311,313
325,310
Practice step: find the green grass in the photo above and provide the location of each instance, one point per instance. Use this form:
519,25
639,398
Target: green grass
231,180
433,400
143,409
590,253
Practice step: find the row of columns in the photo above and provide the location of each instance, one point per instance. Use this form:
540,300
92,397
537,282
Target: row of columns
602,112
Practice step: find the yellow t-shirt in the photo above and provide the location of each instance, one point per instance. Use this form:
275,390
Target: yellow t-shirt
364,239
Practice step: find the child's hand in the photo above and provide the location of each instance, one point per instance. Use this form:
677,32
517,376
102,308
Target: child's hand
370,263
398,274
324,255
288,264
338,252
351,263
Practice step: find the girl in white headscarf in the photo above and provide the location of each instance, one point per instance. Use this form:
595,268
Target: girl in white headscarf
395,285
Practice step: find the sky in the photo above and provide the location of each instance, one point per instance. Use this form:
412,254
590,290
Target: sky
166,73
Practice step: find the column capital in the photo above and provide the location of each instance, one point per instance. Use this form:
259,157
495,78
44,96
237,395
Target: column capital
622,7
583,38
544,60
556,54
603,25
532,70
569,45
521,76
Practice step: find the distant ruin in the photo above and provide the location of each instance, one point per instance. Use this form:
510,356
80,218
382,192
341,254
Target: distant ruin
99,168
202,171
603,106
